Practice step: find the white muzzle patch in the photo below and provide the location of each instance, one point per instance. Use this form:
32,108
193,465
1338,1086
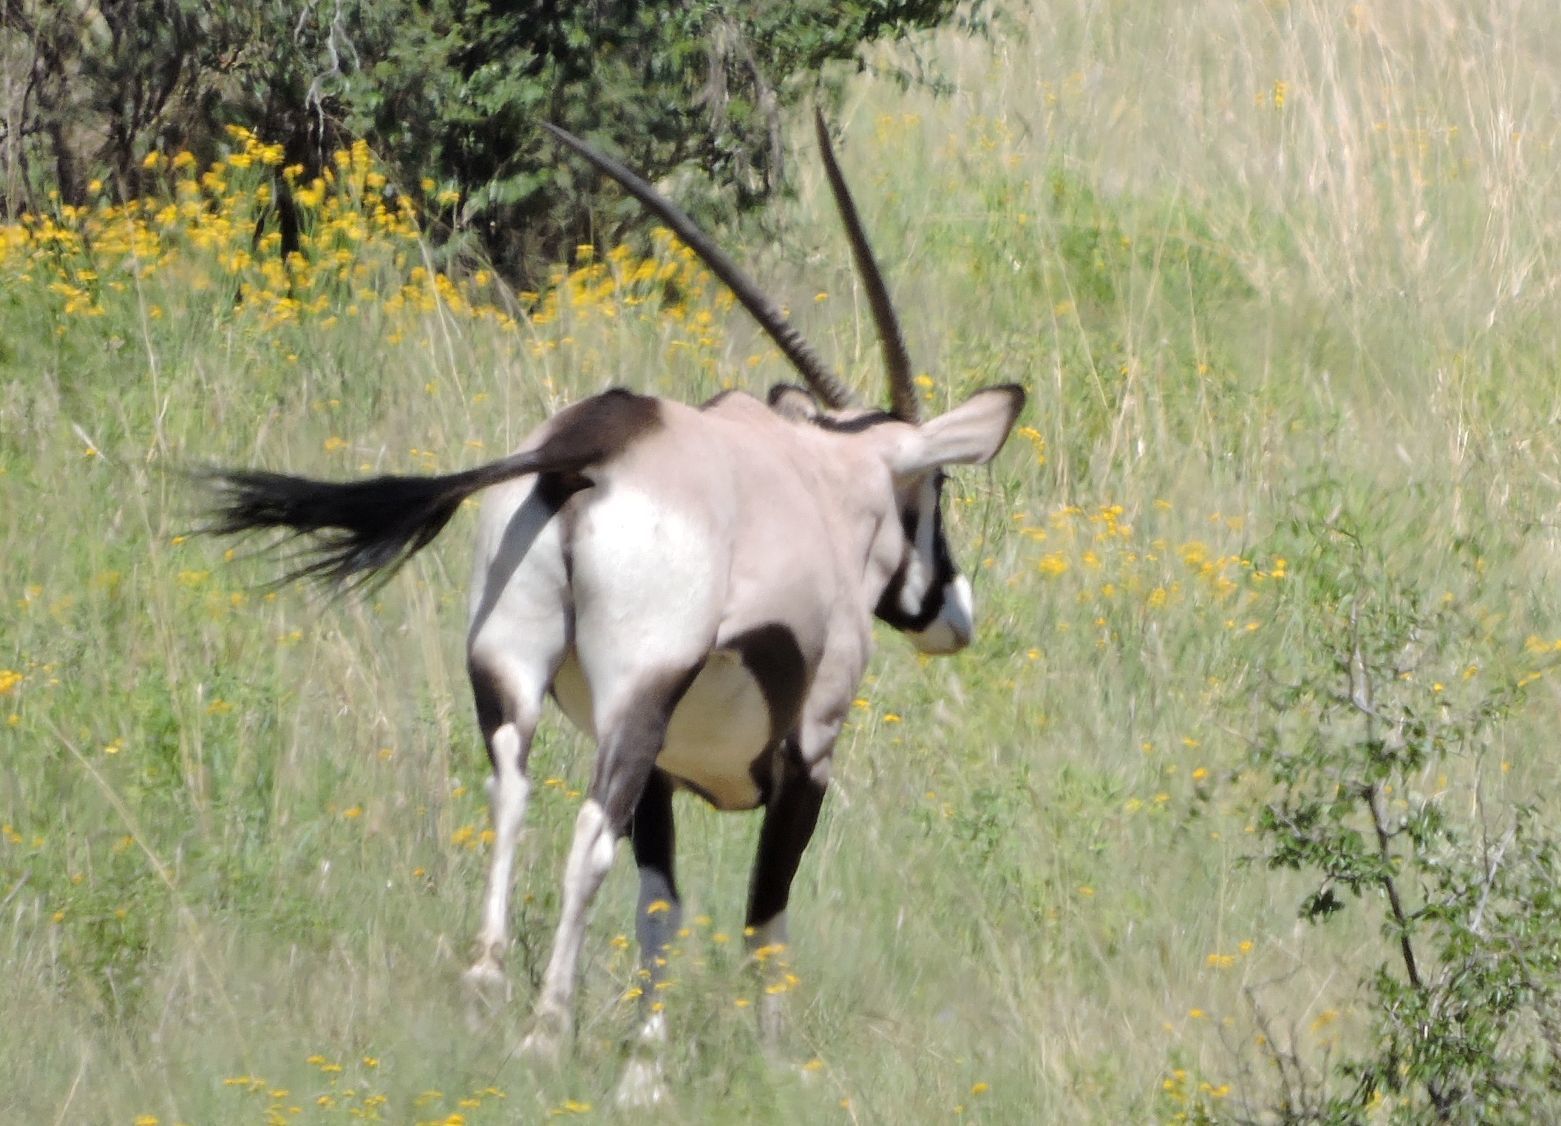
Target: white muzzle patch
952,629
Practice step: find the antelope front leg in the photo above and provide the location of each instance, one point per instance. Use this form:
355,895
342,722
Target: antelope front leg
789,821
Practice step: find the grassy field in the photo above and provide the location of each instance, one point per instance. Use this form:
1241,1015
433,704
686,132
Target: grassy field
1282,281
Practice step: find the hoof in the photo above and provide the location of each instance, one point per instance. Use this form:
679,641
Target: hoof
642,1085
546,1042
487,991
772,1022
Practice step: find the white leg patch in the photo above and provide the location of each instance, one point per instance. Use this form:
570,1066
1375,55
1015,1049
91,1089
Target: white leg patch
767,935
508,793
767,945
918,568
590,856
641,1084
487,988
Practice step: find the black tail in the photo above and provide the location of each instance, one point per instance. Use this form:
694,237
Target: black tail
361,532
358,531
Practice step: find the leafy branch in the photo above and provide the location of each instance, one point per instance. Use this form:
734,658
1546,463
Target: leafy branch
1383,708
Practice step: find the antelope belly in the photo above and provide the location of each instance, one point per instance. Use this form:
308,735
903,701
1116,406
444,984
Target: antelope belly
719,730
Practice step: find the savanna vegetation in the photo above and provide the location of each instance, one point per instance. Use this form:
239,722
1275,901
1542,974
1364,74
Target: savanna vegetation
448,93
1242,807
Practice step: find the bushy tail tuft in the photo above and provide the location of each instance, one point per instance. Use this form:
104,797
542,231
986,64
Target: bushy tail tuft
358,532
361,532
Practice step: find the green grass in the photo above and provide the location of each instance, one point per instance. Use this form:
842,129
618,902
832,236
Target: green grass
1255,262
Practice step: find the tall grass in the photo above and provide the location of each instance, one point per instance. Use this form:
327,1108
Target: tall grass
1258,263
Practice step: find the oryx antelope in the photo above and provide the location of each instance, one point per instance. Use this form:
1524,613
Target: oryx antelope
694,586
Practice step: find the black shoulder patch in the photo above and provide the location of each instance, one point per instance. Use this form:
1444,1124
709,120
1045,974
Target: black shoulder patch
775,661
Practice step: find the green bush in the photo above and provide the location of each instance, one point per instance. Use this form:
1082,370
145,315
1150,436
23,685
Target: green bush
449,93
1382,730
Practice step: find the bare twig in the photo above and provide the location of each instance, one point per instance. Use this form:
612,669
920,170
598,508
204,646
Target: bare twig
1491,866
1371,794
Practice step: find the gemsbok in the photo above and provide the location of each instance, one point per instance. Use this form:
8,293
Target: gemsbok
694,587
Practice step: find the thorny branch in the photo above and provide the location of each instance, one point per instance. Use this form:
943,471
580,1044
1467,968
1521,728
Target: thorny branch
1293,1080
1371,794
1490,877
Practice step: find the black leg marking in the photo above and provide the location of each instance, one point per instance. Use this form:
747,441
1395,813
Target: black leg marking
625,761
628,753
660,910
789,821
507,721
489,698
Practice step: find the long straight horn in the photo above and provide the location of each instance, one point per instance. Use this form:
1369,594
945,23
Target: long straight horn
824,382
897,362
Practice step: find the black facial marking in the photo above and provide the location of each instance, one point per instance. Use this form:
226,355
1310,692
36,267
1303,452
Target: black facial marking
889,609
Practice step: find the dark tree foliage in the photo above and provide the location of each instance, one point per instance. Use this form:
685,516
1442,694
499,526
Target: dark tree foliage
449,93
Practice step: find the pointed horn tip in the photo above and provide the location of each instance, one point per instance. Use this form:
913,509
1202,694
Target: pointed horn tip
902,393
569,140
826,144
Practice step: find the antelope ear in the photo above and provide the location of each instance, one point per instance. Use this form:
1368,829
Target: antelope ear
970,434
794,403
